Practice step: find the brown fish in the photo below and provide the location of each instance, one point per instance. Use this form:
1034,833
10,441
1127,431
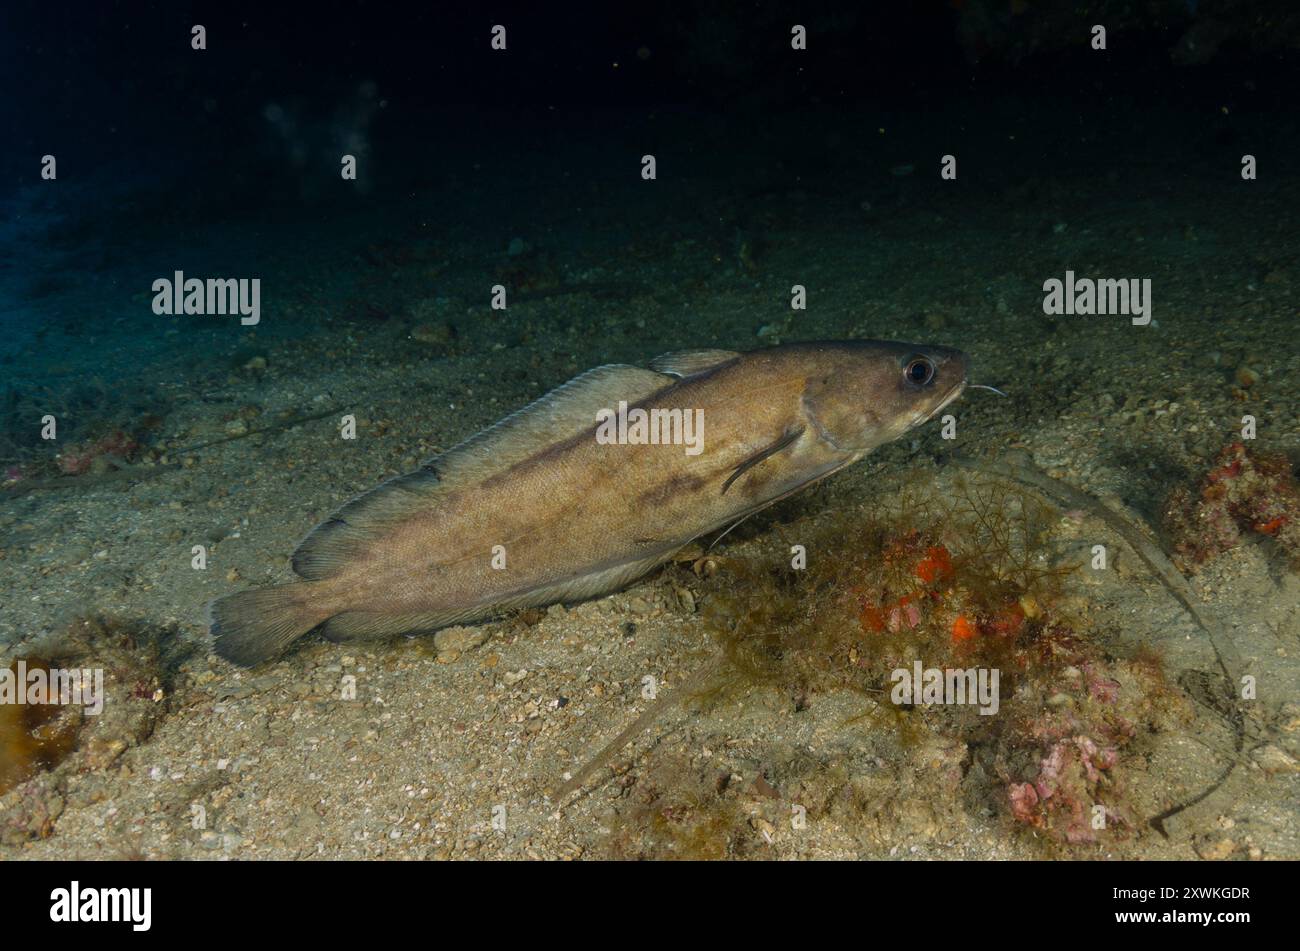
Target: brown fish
590,487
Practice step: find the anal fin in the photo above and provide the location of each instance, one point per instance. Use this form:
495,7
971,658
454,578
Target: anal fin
367,625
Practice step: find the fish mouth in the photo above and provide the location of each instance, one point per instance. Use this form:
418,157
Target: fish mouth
922,416
955,392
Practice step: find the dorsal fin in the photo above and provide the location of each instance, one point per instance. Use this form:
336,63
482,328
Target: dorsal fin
333,543
564,412
560,414
690,362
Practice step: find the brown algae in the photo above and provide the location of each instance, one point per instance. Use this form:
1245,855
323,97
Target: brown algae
33,736
41,744
971,578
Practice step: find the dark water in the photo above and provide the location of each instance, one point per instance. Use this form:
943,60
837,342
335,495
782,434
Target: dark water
224,162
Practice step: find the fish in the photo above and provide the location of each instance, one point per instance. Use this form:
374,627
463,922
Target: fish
590,487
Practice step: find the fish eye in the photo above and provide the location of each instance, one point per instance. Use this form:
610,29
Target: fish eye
919,371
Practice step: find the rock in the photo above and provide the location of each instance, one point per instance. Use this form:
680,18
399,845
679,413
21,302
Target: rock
460,639
100,753
1217,850
1275,761
1290,717
685,599
439,335
1246,376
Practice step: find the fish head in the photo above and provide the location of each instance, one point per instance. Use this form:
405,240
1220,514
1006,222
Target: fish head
863,394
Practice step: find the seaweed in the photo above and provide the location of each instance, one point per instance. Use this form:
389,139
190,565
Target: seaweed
1018,468
1243,492
34,736
41,743
676,811
119,471
970,578
652,713
125,473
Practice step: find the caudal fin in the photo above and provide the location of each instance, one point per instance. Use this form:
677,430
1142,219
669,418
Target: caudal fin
252,626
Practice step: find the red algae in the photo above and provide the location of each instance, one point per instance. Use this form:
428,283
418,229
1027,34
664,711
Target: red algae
1244,492
958,584
114,447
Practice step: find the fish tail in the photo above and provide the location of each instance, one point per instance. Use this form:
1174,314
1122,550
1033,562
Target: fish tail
252,626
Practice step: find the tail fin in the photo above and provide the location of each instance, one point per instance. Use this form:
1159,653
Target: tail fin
252,626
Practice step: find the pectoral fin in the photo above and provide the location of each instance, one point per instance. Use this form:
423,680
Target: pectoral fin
762,454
